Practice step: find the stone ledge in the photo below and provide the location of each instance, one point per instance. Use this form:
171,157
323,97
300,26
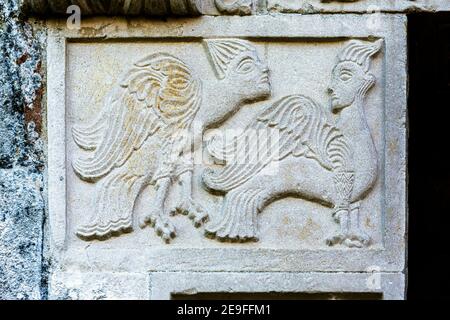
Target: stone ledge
227,7
164,285
356,6
167,285
116,7
144,8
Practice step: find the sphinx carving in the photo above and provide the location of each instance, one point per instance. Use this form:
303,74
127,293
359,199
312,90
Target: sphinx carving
144,135
318,158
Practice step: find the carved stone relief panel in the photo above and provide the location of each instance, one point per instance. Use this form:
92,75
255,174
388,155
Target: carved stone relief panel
129,154
269,145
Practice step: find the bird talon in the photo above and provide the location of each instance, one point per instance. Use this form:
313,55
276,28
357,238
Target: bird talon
193,211
163,227
336,239
147,219
350,240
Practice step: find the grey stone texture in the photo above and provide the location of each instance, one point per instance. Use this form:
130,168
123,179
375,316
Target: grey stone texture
21,158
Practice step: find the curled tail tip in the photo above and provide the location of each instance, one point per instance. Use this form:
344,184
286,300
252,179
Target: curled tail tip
213,181
208,177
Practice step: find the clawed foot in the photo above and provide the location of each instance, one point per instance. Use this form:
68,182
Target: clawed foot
193,210
162,225
164,228
353,239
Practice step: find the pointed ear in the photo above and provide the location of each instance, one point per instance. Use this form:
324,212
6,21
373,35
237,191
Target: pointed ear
367,85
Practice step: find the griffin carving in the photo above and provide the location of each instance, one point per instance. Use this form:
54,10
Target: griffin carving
144,135
319,158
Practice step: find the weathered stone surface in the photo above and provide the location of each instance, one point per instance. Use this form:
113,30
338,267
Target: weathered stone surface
144,8
163,285
366,6
116,7
241,7
120,161
21,158
103,285
21,225
227,7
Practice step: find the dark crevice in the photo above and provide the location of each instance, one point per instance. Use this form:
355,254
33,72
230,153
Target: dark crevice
428,162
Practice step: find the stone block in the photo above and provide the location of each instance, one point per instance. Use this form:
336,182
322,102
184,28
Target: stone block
349,6
228,147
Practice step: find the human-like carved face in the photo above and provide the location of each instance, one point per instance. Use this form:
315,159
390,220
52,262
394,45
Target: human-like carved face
347,79
249,77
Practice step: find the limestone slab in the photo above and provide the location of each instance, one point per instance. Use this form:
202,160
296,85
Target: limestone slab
329,197
165,285
76,285
154,8
366,6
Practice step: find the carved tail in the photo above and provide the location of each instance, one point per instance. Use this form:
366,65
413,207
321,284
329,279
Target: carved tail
238,219
113,206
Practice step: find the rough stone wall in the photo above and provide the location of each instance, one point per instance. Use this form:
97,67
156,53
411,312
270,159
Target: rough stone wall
21,157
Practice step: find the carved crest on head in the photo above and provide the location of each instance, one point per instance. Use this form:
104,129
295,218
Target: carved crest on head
223,51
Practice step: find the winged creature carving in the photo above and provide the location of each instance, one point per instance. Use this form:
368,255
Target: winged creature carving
144,135
319,158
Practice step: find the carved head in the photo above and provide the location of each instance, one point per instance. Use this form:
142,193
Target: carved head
351,77
239,68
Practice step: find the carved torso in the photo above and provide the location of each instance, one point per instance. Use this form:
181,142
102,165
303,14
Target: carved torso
364,155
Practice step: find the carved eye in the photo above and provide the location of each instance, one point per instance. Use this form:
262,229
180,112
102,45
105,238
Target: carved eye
345,75
246,65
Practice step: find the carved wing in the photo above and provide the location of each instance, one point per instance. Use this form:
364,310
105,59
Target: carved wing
300,127
312,130
151,96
